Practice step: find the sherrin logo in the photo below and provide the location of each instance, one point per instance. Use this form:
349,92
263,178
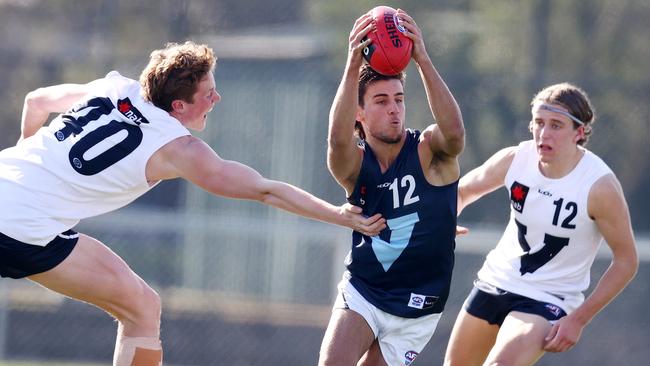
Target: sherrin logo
392,27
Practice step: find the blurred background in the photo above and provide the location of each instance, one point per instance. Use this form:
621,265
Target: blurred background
243,284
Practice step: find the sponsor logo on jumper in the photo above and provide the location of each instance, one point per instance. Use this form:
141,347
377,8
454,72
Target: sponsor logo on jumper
422,301
518,193
429,301
129,111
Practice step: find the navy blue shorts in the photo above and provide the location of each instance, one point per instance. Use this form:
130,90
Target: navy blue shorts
493,304
18,259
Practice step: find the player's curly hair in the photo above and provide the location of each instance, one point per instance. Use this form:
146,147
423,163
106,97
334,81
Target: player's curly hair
575,100
174,72
368,76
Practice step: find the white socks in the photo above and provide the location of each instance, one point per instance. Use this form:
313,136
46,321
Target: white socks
137,351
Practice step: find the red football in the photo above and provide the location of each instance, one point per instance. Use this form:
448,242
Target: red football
390,50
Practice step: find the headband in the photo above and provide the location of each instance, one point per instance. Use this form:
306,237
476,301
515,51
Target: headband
562,112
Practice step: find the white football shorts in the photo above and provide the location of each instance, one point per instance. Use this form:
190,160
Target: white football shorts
400,339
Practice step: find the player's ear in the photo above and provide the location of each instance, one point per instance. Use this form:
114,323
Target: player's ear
580,134
178,106
359,116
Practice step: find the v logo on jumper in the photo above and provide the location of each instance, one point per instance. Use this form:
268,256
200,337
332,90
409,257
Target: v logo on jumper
401,229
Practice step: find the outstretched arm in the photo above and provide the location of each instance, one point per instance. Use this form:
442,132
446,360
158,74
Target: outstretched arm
608,208
448,137
191,158
343,155
41,102
486,178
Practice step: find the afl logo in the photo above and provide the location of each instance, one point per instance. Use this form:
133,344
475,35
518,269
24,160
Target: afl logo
59,135
553,309
409,357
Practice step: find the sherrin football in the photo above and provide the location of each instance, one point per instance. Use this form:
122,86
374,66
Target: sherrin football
390,50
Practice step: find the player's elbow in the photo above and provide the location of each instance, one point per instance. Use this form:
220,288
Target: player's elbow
337,141
457,132
455,140
628,264
454,134
267,191
34,99
633,265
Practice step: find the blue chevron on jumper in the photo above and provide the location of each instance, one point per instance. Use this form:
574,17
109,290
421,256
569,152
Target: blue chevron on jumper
401,229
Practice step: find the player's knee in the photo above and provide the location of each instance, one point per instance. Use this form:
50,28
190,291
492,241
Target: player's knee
148,303
140,305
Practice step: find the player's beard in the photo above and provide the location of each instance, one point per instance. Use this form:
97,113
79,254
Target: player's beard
389,139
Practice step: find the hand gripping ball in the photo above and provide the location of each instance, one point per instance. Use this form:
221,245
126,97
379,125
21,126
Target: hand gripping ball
390,50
